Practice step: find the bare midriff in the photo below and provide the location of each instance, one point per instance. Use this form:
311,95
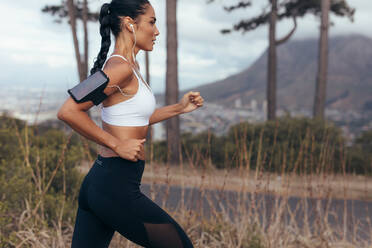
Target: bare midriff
122,133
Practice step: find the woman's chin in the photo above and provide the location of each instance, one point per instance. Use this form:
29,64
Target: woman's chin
150,48
147,48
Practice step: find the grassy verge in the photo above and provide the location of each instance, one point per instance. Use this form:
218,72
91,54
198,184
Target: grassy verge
40,184
246,227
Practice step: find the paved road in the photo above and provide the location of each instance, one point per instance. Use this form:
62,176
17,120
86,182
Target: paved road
357,212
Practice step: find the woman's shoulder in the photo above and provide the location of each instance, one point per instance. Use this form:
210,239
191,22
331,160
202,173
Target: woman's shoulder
117,70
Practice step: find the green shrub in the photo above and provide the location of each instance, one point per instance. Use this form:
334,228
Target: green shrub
288,144
37,171
360,154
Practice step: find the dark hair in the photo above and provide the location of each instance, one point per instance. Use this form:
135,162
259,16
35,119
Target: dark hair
109,20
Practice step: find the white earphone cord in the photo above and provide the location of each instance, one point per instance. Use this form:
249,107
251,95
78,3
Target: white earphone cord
135,42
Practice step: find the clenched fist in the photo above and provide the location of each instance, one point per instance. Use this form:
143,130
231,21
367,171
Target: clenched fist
191,101
131,149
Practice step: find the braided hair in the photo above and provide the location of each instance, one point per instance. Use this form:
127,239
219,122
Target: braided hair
109,20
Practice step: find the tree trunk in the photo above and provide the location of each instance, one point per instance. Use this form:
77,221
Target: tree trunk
147,62
72,15
81,65
171,92
84,64
321,84
271,72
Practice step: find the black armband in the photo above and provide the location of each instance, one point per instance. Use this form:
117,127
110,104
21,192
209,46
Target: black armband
91,89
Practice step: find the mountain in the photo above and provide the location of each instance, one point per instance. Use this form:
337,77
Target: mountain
349,85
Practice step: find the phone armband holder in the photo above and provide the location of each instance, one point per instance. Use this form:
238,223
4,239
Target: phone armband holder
91,89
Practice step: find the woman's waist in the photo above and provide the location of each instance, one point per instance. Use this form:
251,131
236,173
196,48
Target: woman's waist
122,134
117,170
126,132
118,162
106,152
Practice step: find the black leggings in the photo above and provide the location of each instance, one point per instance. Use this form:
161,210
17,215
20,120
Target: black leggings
110,200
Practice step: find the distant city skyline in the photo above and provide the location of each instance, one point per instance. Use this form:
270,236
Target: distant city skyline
39,53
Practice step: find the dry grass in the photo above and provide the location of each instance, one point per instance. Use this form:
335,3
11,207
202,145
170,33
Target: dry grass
336,186
245,228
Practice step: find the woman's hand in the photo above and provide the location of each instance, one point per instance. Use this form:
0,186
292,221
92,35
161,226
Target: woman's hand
191,101
131,149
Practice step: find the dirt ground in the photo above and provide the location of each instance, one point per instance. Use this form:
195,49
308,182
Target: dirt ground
320,186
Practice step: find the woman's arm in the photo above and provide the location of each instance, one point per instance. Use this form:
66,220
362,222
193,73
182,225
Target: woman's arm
189,102
74,114
79,120
164,113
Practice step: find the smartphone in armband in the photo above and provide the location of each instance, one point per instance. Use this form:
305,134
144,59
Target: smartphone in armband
91,88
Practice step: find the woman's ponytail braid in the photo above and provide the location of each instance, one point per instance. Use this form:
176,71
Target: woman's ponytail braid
104,20
109,20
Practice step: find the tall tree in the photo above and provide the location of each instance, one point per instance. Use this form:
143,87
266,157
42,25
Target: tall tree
274,11
147,64
320,90
73,11
171,92
272,59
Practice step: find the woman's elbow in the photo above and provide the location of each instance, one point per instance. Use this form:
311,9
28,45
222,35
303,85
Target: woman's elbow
66,109
61,115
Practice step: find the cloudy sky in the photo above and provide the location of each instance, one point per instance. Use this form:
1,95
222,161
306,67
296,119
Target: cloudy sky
38,53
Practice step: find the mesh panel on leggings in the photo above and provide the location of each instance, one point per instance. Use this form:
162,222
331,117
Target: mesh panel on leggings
163,235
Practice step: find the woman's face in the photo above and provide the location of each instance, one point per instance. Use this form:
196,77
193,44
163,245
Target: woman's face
146,30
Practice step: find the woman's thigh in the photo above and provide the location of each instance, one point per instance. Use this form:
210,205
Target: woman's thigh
90,231
111,194
141,221
161,229
138,219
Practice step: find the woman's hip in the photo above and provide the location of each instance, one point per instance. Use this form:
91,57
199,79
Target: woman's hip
114,176
117,169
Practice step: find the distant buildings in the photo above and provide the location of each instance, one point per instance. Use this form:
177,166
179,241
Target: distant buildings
38,106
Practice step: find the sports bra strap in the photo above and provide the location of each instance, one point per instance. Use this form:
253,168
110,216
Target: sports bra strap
134,70
118,55
114,55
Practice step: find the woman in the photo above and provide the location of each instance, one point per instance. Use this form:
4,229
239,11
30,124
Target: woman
110,198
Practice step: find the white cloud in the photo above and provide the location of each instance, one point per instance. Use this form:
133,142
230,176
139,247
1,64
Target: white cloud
27,44
43,50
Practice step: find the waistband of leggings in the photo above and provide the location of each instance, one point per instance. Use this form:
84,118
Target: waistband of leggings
117,159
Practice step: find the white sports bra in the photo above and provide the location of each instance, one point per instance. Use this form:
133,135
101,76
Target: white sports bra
135,111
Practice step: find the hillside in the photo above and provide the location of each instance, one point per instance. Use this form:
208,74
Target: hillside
349,76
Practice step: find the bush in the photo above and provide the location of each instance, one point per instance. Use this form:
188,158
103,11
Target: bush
288,144
38,176
360,154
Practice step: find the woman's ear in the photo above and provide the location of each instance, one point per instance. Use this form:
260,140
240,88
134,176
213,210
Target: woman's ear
126,22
